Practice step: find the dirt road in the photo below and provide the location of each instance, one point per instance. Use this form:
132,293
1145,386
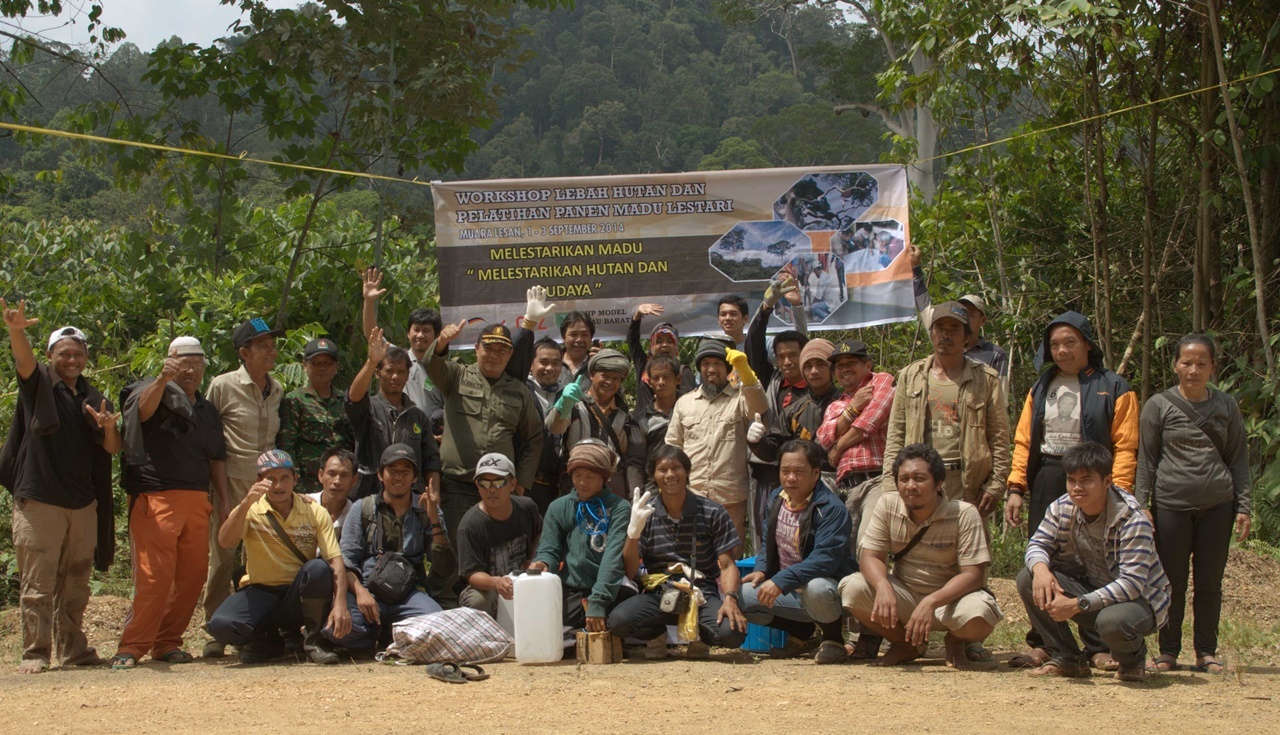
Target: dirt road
732,693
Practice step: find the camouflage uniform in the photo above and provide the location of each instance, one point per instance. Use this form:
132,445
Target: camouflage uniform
309,425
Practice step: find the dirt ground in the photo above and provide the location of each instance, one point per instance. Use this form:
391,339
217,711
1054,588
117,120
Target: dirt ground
732,692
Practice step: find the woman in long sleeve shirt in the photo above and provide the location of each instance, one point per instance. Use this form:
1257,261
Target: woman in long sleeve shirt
1193,473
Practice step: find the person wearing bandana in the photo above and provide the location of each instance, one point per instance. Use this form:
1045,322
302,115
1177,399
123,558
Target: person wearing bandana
582,537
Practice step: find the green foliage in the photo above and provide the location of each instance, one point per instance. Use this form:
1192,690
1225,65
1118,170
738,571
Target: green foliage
614,86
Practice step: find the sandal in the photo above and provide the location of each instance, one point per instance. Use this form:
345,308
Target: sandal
479,675
1032,659
446,672
1208,665
124,661
1164,662
1131,673
1054,667
1102,661
976,653
176,656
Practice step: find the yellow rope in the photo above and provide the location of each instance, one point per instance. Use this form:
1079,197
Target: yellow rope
1100,116
207,154
300,167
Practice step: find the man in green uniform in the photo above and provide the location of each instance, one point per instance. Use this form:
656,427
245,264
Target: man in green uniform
485,410
312,418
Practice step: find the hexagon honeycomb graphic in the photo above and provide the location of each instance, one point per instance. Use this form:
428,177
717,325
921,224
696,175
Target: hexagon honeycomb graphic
754,251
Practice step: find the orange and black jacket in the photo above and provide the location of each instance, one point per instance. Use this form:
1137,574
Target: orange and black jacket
1109,413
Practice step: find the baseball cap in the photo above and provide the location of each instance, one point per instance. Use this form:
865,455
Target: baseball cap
62,333
321,346
495,334
949,310
251,330
397,452
495,464
275,459
849,348
975,301
186,347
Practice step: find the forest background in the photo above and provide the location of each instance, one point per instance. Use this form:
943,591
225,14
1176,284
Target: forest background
1153,219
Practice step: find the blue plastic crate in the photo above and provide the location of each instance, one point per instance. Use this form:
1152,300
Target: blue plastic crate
760,638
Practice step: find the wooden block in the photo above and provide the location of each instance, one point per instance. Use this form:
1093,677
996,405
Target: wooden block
599,648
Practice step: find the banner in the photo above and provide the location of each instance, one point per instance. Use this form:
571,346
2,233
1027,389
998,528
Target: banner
605,244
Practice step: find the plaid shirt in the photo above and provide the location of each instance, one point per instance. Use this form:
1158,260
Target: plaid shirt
868,454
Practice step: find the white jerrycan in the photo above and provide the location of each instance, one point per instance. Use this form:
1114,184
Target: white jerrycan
538,615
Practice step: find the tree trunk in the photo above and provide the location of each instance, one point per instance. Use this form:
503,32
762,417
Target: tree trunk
921,173
1246,190
1206,219
1100,222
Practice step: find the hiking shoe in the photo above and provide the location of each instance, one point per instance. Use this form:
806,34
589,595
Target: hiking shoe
292,642
320,652
831,652
214,649
256,652
656,649
697,649
795,647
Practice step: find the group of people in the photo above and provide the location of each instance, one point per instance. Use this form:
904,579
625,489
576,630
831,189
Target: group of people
865,498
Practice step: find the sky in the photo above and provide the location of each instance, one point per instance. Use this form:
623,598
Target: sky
147,22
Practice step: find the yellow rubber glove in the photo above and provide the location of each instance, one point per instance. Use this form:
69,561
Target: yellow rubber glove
738,359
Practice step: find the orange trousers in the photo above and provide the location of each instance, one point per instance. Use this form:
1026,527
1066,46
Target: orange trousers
169,534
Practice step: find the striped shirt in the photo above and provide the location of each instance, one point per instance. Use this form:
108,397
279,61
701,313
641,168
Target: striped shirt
1135,570
868,454
666,540
955,539
787,537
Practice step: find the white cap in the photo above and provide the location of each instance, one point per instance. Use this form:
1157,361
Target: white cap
185,346
67,333
494,463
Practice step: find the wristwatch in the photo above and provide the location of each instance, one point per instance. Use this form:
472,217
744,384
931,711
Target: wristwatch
1083,603
734,595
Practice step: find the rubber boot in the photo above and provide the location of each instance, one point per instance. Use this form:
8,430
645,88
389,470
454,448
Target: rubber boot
314,642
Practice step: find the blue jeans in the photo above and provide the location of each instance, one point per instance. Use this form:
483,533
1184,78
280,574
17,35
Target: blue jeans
365,634
816,602
259,609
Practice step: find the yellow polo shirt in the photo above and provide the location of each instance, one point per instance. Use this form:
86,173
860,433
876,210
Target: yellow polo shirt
267,560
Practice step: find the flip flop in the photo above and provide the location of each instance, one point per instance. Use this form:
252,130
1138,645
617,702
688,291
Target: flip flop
1164,662
1060,669
176,656
479,675
446,672
1208,665
1103,662
1034,658
978,655
124,662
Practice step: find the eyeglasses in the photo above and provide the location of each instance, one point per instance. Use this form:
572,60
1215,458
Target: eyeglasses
491,483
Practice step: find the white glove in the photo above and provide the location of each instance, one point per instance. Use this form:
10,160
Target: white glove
755,432
536,306
641,511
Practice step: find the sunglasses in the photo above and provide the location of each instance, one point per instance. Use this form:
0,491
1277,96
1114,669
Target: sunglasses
491,483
